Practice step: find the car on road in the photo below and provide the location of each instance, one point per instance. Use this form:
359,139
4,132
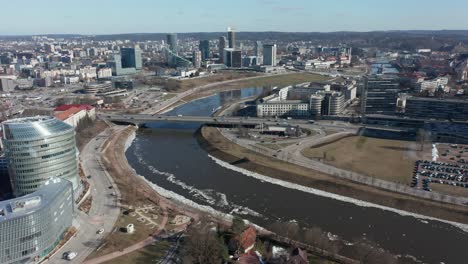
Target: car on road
100,231
110,187
69,255
89,176
179,115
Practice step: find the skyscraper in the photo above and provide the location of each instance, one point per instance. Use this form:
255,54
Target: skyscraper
231,38
258,48
131,58
269,54
196,58
222,46
232,58
37,149
172,43
204,47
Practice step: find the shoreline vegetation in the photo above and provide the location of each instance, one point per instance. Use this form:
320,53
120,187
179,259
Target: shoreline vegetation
212,141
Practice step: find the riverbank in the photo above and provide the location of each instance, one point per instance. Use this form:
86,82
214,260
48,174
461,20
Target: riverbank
221,148
137,189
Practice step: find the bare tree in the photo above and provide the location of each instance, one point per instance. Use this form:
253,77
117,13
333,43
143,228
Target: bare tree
204,246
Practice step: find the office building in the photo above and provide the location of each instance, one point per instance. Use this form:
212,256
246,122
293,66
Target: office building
232,58
437,108
379,95
172,43
196,58
301,101
231,38
333,103
116,65
37,149
221,46
269,54
258,52
32,226
204,47
131,58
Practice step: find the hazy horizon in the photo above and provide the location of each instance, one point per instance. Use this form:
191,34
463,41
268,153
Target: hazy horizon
109,17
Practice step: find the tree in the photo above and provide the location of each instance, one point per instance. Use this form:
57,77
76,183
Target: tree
238,225
204,246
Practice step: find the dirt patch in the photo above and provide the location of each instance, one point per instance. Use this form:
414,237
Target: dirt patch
391,160
217,145
84,136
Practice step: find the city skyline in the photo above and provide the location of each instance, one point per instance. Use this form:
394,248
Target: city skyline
143,16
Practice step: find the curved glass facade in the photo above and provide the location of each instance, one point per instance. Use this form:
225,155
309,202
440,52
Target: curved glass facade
32,226
37,149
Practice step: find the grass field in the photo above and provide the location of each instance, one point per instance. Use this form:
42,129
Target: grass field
225,76
283,80
391,160
145,255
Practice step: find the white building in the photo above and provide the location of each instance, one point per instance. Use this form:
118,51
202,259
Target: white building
88,72
104,73
283,108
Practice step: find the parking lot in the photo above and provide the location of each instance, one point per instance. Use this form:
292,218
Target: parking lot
434,172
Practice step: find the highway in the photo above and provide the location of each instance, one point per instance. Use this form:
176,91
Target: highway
104,210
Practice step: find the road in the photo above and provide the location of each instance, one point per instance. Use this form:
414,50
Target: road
104,209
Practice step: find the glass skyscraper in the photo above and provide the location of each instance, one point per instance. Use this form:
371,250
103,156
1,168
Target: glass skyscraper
33,225
172,43
37,149
131,58
204,47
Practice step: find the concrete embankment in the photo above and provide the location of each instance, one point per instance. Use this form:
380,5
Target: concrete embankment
221,148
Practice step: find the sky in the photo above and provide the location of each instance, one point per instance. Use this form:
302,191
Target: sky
28,17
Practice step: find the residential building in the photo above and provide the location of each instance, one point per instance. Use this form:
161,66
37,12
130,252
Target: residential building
379,95
269,54
104,73
31,226
196,58
37,149
88,72
204,47
7,83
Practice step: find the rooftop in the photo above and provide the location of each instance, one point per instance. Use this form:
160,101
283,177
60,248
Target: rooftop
67,113
17,207
80,106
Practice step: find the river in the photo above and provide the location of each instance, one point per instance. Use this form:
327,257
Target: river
168,155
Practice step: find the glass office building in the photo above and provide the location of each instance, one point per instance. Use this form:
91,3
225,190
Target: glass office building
37,149
33,225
